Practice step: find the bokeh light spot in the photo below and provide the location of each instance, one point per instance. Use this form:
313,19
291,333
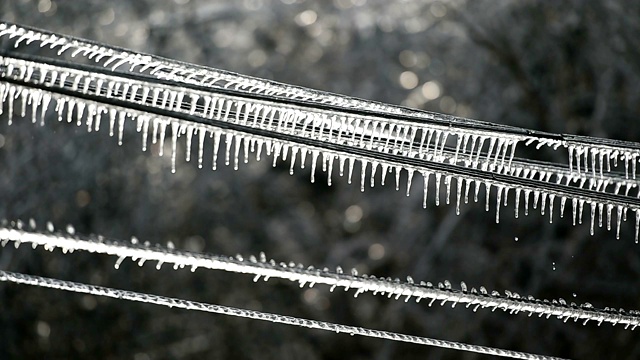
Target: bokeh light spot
408,80
376,251
431,90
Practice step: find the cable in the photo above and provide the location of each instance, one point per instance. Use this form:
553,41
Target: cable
256,315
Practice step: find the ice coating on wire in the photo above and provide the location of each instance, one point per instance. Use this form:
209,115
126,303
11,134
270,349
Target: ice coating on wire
261,268
240,135
256,315
300,123
585,154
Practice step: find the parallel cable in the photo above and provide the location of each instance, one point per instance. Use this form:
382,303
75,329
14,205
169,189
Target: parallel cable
260,267
257,315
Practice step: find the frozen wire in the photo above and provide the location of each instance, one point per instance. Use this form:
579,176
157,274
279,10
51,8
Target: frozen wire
261,268
256,315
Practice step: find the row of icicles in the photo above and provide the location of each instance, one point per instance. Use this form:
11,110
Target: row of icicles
235,142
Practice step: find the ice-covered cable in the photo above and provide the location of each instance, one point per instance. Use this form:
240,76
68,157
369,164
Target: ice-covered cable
583,151
262,268
280,137
256,315
165,96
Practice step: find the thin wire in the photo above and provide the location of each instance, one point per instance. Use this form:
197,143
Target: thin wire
256,315
511,303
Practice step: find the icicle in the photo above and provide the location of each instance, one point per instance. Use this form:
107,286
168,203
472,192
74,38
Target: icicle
476,185
351,162
526,201
145,131
189,130
236,153
459,181
637,223
216,147
112,119
580,208
363,173
517,204
314,160
252,147
618,220
121,120
11,96
98,118
330,170
91,112
544,203
487,187
228,141
23,102
341,160
80,111
467,186
410,172
175,128
563,201
3,96
374,168
303,158
593,217
536,197
259,152
383,174
447,183
119,262
46,98
294,153
35,102
498,197
458,144
600,211
438,177
425,176
552,197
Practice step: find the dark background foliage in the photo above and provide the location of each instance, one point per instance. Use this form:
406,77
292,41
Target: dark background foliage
570,66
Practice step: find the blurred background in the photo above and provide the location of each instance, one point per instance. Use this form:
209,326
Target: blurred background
571,67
